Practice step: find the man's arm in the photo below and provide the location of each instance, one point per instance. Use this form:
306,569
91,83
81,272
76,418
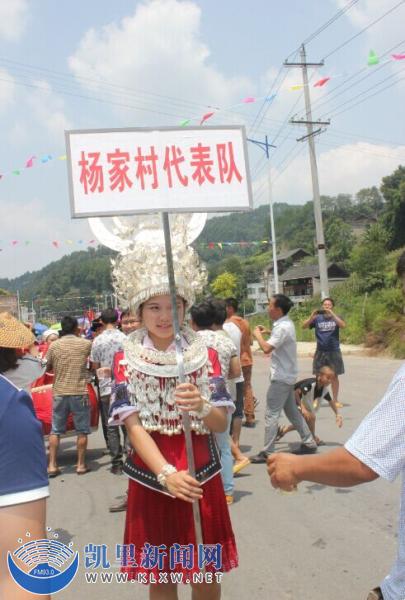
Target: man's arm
339,322
258,333
338,468
308,322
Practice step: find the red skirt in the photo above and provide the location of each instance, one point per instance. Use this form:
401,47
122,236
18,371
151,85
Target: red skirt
158,520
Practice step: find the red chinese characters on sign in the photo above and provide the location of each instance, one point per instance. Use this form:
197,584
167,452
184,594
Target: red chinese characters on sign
226,163
119,170
91,175
171,166
173,159
202,163
146,166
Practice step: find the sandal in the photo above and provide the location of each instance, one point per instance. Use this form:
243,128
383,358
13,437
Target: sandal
54,473
83,471
238,466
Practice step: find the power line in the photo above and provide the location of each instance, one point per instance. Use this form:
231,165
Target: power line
330,96
353,37
325,25
368,97
393,75
74,79
311,37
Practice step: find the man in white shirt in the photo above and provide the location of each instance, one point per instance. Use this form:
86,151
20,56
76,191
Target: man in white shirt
103,350
376,449
282,345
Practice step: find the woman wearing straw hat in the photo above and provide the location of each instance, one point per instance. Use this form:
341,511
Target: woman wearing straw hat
23,476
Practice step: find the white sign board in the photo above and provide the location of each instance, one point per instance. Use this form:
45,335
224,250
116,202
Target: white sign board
128,171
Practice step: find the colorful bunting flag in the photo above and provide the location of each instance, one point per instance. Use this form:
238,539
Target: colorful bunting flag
372,58
249,99
398,56
294,88
30,162
206,117
55,243
322,82
184,123
270,98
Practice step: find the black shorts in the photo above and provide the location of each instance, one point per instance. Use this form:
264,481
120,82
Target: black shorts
331,359
238,401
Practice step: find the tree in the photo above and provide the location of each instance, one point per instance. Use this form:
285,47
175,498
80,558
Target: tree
368,259
225,285
339,239
369,203
393,190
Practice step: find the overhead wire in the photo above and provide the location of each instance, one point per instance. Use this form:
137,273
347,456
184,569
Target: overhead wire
356,35
369,89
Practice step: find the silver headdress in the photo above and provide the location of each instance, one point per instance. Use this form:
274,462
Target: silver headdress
140,271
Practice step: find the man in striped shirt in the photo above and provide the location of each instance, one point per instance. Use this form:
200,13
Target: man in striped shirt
68,358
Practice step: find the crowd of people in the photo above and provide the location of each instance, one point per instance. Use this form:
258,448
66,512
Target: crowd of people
130,357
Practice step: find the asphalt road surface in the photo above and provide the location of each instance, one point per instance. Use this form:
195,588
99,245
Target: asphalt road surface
318,544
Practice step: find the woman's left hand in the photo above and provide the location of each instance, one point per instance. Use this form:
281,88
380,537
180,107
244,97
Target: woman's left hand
188,397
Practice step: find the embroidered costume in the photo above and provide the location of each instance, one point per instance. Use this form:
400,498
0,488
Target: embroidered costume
155,519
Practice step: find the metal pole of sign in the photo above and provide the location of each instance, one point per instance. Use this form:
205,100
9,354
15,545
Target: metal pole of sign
180,366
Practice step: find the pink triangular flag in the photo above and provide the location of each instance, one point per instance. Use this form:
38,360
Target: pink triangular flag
206,117
398,56
30,162
14,242
249,99
55,243
322,82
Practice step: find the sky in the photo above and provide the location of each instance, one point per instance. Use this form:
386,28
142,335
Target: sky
99,64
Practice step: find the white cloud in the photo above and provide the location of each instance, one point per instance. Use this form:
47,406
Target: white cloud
49,110
158,49
386,32
7,89
13,18
345,169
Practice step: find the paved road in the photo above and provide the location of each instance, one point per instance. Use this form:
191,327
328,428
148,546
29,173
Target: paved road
320,543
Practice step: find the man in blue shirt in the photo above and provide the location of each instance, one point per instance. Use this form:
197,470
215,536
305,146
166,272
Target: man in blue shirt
327,324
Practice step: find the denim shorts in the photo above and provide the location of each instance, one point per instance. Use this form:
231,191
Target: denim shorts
79,406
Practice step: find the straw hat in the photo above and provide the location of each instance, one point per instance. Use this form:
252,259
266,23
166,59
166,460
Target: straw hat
13,333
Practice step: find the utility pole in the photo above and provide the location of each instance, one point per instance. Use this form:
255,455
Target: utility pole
265,146
320,238
273,234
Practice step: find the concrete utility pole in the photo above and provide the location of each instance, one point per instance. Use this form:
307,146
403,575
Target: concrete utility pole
265,146
320,238
273,234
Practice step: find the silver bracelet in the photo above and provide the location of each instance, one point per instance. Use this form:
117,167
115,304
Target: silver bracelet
206,409
167,469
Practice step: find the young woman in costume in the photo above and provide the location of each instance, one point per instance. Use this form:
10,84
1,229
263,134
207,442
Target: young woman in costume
159,530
